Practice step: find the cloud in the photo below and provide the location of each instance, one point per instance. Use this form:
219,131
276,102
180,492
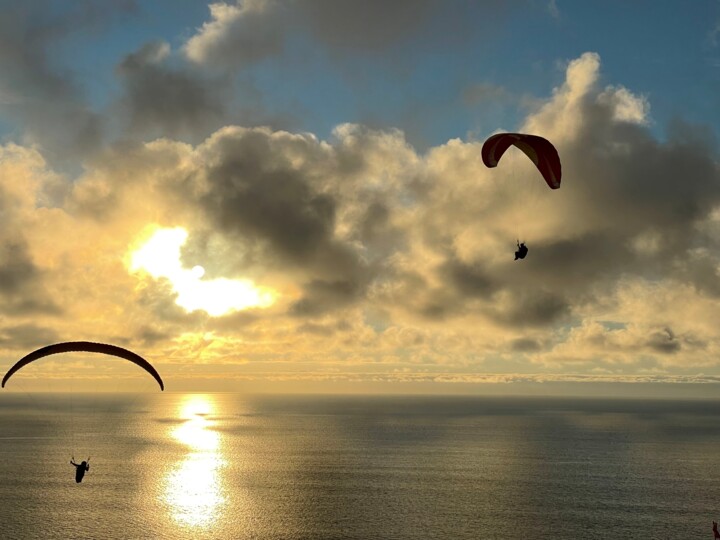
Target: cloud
256,202
27,337
525,345
470,281
250,31
553,9
664,341
252,188
296,204
21,282
24,184
713,34
238,34
46,99
372,24
327,43
160,100
389,263
480,93
629,205
654,326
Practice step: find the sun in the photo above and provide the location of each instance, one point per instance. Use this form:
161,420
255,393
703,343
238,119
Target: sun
159,256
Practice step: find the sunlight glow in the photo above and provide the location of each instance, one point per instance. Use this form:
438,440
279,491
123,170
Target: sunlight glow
193,488
159,256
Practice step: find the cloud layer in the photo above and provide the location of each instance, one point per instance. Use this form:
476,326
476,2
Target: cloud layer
389,263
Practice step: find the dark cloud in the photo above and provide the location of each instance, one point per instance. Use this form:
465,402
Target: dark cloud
379,236
374,223
664,342
27,337
640,200
239,34
533,308
632,205
45,98
700,269
275,203
470,281
642,181
525,345
323,330
369,24
254,191
17,269
321,296
161,100
435,311
152,336
256,195
234,321
21,285
573,264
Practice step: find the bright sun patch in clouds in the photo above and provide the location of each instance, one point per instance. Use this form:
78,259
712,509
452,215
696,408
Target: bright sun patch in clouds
159,256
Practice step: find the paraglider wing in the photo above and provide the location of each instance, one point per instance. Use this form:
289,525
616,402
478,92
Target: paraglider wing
85,346
541,151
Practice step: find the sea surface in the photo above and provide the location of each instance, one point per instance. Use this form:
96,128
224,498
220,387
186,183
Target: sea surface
199,466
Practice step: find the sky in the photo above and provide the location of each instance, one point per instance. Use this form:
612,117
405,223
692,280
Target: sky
289,196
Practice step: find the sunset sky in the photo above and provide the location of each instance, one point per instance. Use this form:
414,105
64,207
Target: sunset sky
289,195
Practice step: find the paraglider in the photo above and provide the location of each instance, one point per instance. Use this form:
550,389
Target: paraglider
522,250
84,346
540,151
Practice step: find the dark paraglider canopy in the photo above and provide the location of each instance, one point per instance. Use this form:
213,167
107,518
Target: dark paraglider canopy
541,151
84,346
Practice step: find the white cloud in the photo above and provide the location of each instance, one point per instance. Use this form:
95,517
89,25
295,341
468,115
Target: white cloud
553,9
713,34
626,107
237,34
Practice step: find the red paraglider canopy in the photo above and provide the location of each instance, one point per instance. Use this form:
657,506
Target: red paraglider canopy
541,151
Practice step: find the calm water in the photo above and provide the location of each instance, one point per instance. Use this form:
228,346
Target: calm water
226,466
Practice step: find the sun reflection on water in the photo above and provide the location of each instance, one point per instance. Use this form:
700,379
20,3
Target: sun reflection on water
193,487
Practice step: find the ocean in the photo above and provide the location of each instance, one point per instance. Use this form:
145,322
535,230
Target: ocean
227,466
